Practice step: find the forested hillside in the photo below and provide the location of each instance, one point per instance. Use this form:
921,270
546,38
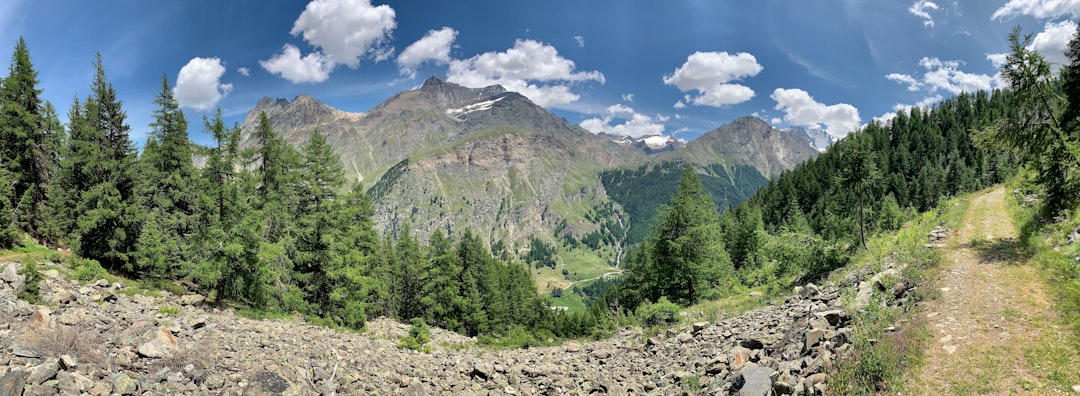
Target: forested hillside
270,227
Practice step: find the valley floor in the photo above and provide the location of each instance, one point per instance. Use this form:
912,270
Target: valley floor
994,328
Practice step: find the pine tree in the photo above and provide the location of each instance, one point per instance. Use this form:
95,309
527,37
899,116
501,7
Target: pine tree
687,246
25,144
106,215
277,205
166,192
228,242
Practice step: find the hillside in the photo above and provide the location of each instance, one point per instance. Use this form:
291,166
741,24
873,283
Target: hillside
446,157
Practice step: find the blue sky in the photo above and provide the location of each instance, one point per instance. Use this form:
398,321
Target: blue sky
624,67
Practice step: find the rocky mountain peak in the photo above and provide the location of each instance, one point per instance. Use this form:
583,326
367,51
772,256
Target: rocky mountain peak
446,94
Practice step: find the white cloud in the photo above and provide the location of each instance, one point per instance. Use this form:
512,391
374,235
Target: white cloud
633,124
925,103
913,84
198,86
943,75
244,71
347,30
711,74
580,41
801,109
343,31
662,118
434,46
628,97
775,121
998,60
679,105
531,68
1053,41
920,9
1038,9
312,68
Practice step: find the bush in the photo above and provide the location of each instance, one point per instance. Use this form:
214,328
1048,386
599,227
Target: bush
33,282
86,269
662,313
419,337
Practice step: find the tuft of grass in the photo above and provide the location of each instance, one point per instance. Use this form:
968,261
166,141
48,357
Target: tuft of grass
169,310
80,341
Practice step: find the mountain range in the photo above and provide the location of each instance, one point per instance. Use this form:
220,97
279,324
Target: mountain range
450,157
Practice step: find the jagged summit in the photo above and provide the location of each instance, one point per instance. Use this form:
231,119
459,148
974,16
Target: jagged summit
446,94
752,140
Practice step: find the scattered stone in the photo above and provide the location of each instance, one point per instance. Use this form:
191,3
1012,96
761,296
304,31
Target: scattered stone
12,277
755,381
163,344
25,351
1076,388
270,382
40,319
122,384
13,382
752,343
699,326
755,294
51,274
191,299
67,362
43,372
950,349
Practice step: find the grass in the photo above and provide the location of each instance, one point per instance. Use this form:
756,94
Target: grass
880,357
1057,353
717,310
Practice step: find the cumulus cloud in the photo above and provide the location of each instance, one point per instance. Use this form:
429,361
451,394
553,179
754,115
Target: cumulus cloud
434,47
1053,41
943,75
342,31
633,124
312,68
1038,9
925,103
531,68
198,86
712,74
580,41
679,105
346,30
244,71
801,109
628,97
921,9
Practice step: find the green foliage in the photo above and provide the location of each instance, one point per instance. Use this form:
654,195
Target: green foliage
419,337
166,193
660,313
86,269
169,310
541,254
1041,127
33,279
27,142
642,191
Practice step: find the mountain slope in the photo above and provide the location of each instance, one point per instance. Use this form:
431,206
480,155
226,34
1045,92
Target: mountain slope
749,140
446,157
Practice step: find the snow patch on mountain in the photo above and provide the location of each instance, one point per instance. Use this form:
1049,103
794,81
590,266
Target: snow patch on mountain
475,107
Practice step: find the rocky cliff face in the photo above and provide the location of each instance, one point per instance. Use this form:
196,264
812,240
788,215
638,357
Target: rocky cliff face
749,140
817,137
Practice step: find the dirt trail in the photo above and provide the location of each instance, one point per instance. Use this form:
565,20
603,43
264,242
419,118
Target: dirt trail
991,326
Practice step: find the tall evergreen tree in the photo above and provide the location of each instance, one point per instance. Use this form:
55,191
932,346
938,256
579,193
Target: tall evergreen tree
166,191
277,202
106,215
687,246
25,145
228,242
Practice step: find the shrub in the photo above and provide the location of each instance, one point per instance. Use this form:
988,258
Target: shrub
419,337
86,269
33,282
662,313
169,310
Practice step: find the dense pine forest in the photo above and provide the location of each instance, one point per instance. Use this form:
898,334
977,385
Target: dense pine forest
280,229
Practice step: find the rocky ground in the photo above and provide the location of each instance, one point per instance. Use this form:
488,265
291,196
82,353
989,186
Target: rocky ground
99,338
